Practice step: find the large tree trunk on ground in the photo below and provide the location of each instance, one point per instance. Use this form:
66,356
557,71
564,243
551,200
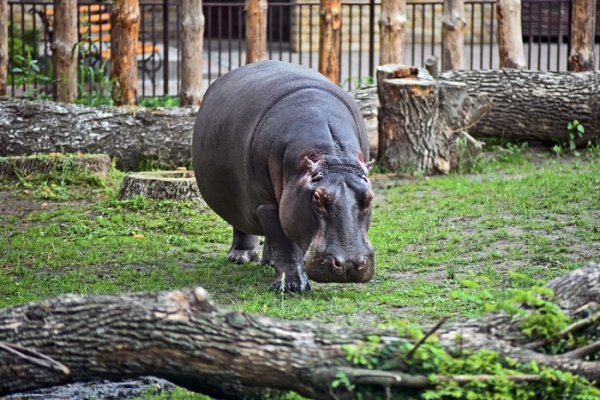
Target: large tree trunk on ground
3,46
392,27
64,59
510,36
453,26
256,30
184,337
534,105
421,119
330,39
583,31
130,134
125,23
192,36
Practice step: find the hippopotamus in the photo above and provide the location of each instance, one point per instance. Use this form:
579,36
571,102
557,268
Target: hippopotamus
279,151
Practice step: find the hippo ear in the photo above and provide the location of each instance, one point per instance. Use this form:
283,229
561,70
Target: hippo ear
314,169
368,166
312,166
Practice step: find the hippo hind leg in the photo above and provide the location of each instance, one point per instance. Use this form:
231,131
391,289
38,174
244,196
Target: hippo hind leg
244,247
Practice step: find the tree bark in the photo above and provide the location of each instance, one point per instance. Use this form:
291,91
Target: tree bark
330,39
192,38
453,42
129,134
510,34
421,119
3,46
184,337
64,59
256,30
172,185
534,105
392,28
125,25
583,30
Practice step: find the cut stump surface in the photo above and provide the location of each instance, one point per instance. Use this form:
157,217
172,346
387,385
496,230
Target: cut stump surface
173,185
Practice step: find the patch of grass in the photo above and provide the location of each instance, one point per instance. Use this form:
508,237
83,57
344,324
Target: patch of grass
502,230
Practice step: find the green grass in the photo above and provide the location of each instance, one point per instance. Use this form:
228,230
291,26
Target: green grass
523,221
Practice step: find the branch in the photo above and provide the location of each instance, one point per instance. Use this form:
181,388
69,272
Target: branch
399,379
424,338
35,358
583,351
564,332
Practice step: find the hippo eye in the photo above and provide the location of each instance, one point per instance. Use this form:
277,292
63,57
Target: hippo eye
316,198
368,199
321,199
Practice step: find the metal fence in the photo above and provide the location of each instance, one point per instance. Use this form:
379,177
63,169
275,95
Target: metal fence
292,34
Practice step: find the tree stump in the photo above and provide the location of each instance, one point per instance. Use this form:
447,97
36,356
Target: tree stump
172,185
420,119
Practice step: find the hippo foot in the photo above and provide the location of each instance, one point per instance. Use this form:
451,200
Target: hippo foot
294,286
242,256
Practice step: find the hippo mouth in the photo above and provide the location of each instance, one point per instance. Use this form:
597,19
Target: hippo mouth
326,269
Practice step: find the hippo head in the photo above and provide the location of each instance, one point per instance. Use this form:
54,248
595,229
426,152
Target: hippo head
328,214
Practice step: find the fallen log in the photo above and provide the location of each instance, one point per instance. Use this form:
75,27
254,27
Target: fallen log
182,336
534,105
128,133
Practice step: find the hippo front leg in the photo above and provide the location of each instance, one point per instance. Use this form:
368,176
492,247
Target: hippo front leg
244,247
283,254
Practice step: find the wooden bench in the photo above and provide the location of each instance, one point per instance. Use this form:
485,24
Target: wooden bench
94,31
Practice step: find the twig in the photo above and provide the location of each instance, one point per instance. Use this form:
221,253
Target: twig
582,351
36,358
424,338
389,379
582,323
464,128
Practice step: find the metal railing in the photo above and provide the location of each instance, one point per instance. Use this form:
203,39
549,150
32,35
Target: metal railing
292,35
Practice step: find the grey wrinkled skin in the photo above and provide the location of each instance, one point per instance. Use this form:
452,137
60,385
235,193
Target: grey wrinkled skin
279,151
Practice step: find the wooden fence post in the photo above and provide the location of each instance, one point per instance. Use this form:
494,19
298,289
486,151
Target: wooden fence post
3,46
192,37
330,38
256,30
125,23
453,42
582,35
392,28
64,60
510,34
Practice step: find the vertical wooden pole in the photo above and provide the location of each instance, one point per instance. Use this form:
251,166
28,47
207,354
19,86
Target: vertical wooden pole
582,35
330,38
3,46
125,23
510,34
392,28
453,26
192,36
256,30
64,60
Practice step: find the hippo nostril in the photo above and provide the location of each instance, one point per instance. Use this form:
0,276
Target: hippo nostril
337,263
